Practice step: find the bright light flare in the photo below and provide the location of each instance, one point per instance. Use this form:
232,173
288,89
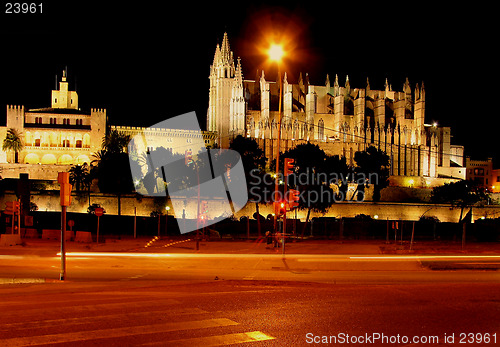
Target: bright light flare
276,52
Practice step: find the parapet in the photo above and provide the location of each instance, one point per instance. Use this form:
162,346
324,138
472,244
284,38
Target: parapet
15,107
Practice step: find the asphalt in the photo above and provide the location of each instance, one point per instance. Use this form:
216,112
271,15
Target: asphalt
253,246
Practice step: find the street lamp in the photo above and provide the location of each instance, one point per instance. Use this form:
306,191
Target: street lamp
167,208
276,54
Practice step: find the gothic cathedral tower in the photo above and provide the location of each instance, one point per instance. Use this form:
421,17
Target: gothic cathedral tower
226,110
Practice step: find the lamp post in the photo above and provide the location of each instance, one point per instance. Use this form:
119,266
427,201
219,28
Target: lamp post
276,53
167,208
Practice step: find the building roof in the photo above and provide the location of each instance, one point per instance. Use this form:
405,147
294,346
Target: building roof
50,110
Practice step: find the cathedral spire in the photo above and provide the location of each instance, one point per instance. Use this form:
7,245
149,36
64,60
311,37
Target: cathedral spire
336,86
216,55
238,76
225,50
406,86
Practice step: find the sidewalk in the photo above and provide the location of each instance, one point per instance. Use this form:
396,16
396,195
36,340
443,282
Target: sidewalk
38,247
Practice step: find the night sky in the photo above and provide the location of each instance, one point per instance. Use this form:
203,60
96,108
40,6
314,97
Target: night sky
148,61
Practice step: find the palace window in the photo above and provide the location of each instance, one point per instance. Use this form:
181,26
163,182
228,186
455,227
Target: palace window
37,142
78,143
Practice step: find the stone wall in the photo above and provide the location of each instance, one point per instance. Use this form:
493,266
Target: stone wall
49,201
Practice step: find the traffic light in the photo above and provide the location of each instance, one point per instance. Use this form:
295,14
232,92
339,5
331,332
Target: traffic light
293,198
12,207
289,166
279,208
203,210
63,179
188,158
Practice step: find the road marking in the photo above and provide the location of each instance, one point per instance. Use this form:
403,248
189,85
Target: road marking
21,280
100,307
47,323
116,332
218,340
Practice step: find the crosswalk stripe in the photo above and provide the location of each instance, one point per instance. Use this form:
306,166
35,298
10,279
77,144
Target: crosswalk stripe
98,307
115,332
77,300
46,323
218,340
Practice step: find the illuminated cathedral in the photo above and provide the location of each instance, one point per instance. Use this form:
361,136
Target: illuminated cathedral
339,118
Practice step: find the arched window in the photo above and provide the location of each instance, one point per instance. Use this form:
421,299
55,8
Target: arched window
321,130
304,131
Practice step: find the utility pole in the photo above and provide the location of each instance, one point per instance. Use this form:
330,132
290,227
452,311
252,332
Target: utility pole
63,179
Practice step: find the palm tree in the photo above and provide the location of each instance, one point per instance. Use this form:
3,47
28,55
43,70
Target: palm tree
13,142
115,142
79,176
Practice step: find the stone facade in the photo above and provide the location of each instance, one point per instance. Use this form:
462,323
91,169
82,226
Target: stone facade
339,118
56,137
62,134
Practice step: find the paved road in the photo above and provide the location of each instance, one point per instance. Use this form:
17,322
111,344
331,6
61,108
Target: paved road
359,269
187,299
268,313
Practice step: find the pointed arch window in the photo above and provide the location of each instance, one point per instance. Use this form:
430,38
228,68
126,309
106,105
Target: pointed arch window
321,130
295,129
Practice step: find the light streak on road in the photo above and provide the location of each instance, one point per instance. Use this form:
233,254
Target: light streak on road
423,257
300,257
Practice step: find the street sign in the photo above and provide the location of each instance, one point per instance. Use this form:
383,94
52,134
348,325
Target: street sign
99,211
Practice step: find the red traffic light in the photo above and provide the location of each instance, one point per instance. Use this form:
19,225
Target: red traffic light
188,158
279,208
293,198
289,167
12,207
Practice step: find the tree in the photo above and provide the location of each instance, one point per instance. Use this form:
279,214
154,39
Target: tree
13,142
113,167
254,162
79,176
372,167
462,194
310,178
251,154
340,174
115,142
